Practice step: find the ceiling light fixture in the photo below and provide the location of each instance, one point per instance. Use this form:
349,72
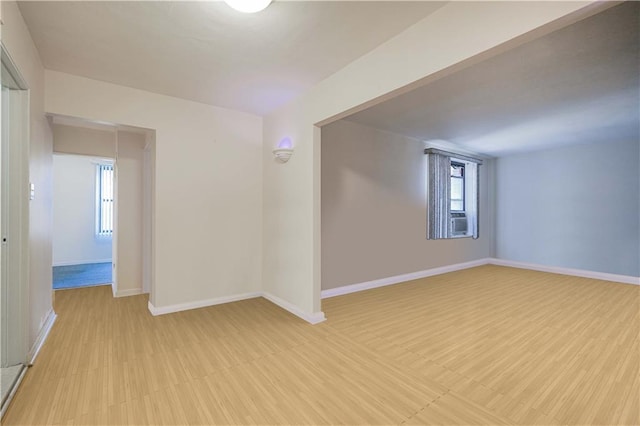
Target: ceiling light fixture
248,6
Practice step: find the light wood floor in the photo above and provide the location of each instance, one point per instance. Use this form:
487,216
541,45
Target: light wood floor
488,345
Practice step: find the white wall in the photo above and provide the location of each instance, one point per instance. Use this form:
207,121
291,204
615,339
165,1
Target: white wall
573,207
208,172
374,208
84,141
129,217
17,40
74,212
453,34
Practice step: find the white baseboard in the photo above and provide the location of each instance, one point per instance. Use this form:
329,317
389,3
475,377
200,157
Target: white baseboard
339,291
315,318
42,336
352,288
200,303
625,279
81,262
129,292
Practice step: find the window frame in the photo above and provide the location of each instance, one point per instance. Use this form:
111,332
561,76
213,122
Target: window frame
438,186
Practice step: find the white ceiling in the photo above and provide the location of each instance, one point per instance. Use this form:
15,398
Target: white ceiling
577,85
206,52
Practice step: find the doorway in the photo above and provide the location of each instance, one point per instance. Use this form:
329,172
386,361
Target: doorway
102,226
83,198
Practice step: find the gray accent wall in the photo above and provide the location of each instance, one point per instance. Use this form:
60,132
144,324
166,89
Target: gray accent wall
374,208
572,207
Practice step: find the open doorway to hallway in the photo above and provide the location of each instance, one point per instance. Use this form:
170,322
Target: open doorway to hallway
103,205
83,198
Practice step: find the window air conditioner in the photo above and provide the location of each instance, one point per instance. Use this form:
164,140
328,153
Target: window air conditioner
459,223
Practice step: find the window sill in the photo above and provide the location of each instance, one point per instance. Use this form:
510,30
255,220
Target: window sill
455,237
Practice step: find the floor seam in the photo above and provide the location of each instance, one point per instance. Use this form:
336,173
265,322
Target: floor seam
425,406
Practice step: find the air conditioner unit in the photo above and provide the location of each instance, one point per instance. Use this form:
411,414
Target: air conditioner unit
459,223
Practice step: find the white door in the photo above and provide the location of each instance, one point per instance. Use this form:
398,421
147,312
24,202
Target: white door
14,222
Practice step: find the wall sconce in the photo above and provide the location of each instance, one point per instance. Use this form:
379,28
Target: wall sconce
284,150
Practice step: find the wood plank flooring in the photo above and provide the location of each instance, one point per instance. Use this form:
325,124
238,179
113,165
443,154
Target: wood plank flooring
488,345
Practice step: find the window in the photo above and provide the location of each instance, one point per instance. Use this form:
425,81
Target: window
457,187
104,193
452,195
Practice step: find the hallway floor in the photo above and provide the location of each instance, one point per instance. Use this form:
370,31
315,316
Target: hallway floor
85,275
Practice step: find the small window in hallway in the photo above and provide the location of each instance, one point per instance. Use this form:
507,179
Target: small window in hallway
104,193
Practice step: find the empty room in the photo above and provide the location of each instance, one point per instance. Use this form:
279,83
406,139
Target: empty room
321,212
